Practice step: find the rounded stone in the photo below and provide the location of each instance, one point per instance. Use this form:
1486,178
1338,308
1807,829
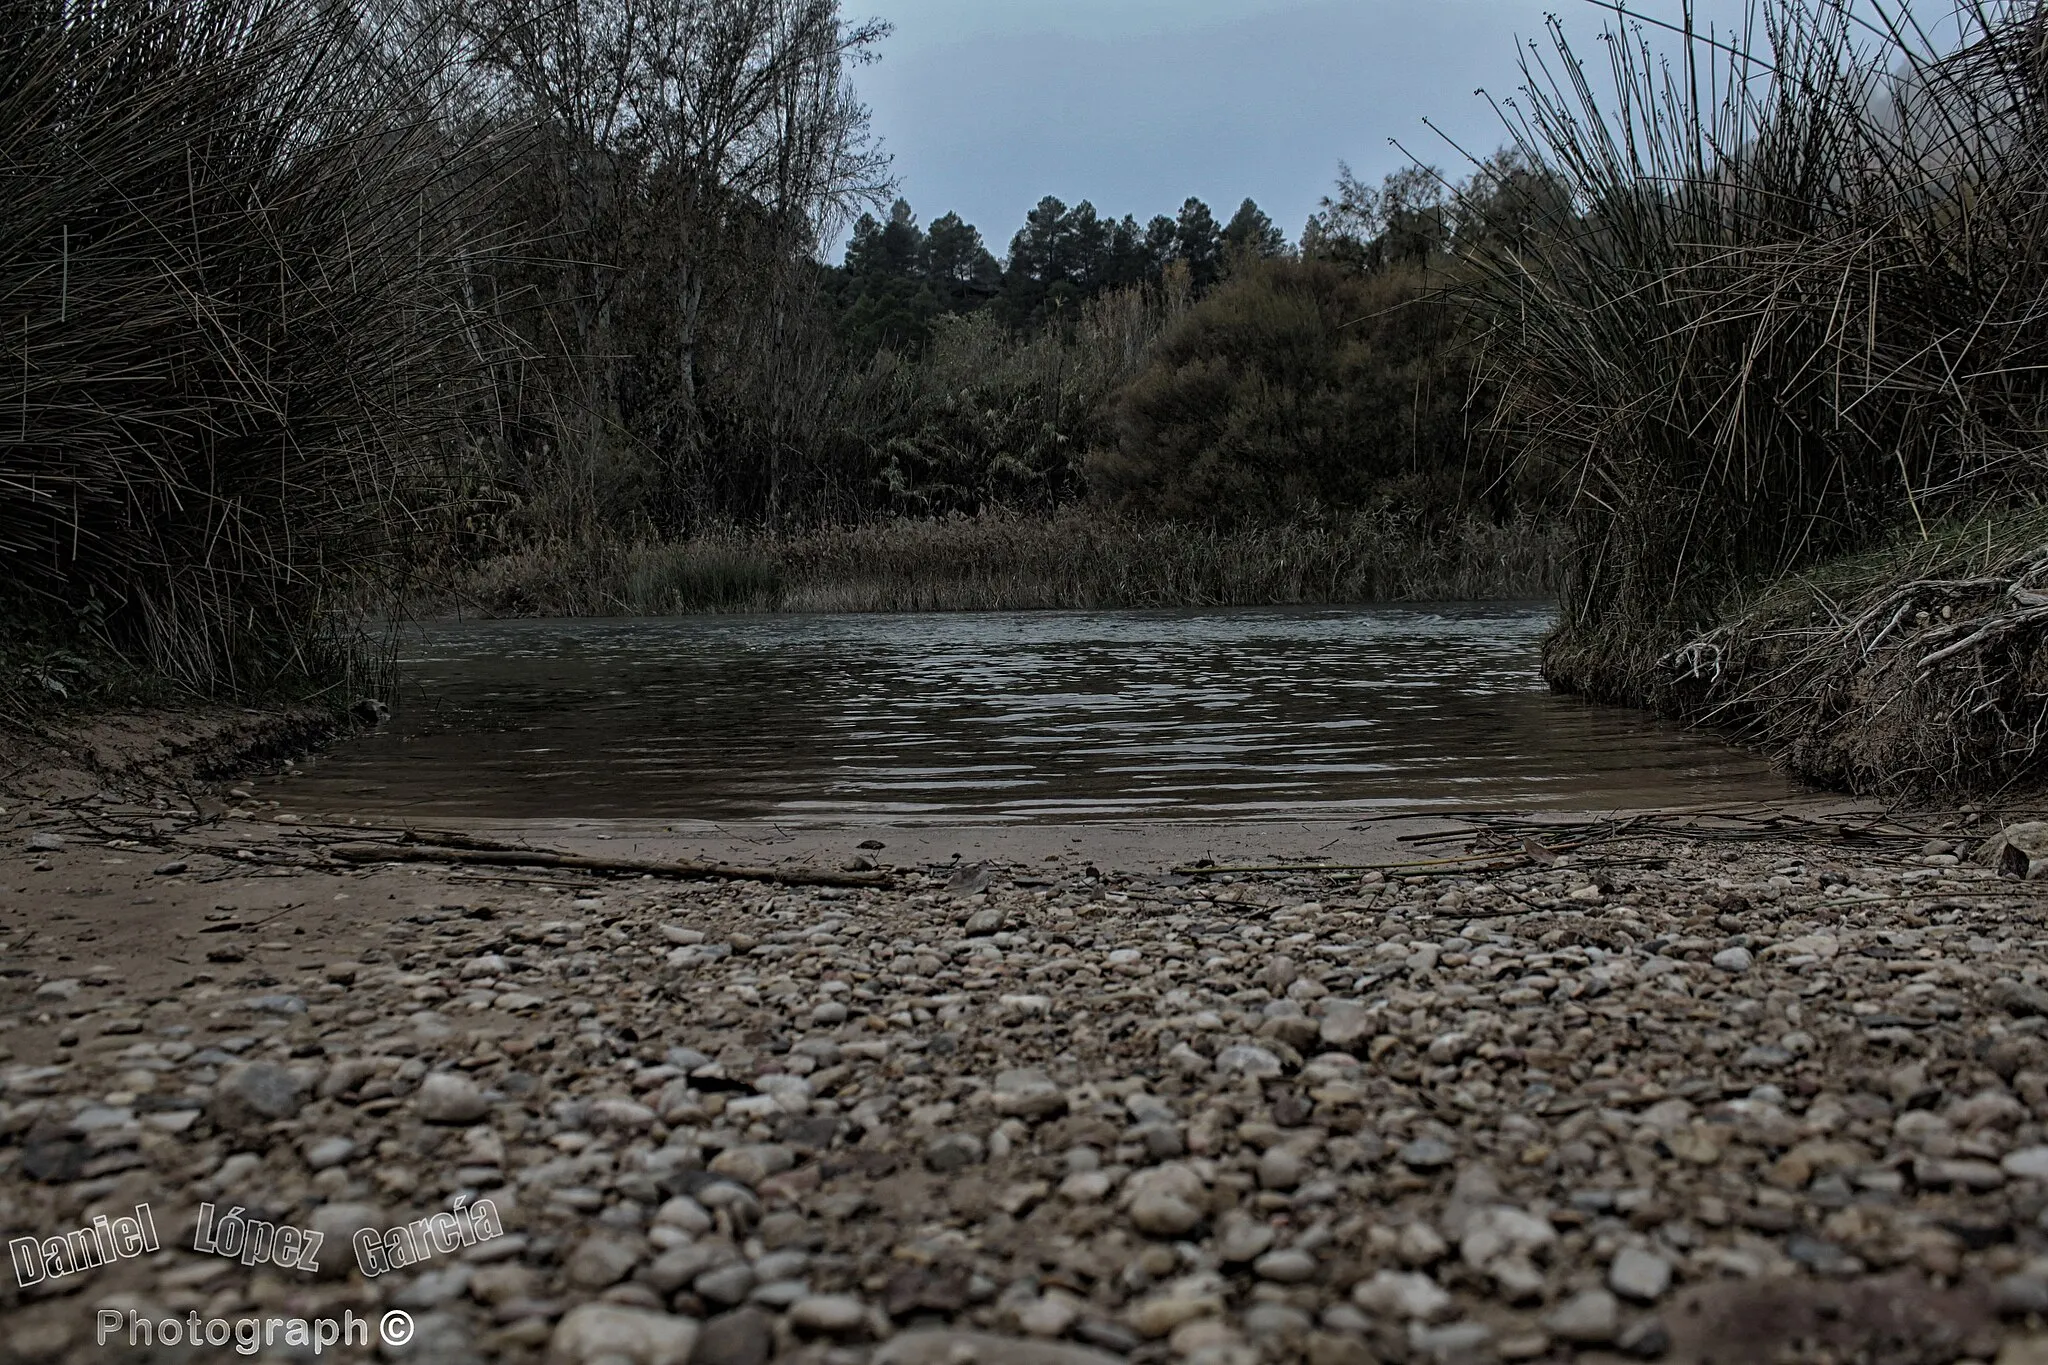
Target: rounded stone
828,1314
1289,1265
1640,1274
445,1097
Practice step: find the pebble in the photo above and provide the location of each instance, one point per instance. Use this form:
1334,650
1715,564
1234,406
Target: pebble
1199,1121
1028,1094
256,1093
1639,1274
600,1261
445,1097
745,1336
1427,1154
1280,1168
603,1333
829,1314
1734,961
2027,1163
1590,1317
942,1346
1289,1266
1249,1060
328,1151
1398,1294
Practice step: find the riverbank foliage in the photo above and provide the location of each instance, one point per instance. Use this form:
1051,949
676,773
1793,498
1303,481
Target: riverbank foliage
1786,313
524,307
1077,557
234,338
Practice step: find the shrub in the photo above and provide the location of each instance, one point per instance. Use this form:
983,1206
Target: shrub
1297,384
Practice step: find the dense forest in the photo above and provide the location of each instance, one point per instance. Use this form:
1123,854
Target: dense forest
317,314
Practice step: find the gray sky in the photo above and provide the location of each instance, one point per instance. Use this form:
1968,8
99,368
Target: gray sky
988,105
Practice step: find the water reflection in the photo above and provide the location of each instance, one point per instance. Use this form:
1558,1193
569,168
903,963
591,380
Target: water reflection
1017,716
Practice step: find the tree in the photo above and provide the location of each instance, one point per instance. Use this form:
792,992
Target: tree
958,265
1403,220
1251,234
684,159
1198,241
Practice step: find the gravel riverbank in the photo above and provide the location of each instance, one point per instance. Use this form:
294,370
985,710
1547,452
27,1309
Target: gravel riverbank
1660,1099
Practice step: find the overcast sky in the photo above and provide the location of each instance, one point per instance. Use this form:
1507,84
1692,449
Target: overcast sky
989,105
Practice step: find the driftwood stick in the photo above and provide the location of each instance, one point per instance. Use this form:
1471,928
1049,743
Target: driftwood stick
413,853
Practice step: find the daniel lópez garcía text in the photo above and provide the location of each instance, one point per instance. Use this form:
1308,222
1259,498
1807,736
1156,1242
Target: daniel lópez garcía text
254,1241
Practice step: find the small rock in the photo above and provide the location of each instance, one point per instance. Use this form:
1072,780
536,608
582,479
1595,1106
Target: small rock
945,1346
1249,1060
1426,1154
1161,1213
1454,1343
1241,1238
1288,1266
1734,961
1028,1094
835,1315
951,1152
1588,1318
591,1333
1639,1274
602,1261
1399,1294
1280,1168
2021,1294
1420,1244
2026,1163
255,1093
445,1097
745,1336
328,1151
753,1163
727,1284
1346,1024
45,843
1050,1315
1645,1339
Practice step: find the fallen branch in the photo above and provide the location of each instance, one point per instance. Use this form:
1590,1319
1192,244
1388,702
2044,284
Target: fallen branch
635,867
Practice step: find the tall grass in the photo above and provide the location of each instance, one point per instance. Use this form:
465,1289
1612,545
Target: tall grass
1078,557
1793,304
229,330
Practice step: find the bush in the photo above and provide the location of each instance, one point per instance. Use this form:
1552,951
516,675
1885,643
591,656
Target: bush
1296,385
1779,322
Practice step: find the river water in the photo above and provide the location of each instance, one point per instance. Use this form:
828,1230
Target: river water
1008,716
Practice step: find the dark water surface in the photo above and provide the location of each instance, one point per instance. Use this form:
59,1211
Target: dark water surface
1043,715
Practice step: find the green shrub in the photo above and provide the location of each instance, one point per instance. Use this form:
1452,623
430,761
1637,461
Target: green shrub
1296,385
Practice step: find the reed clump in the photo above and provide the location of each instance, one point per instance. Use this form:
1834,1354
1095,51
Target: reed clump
1915,668
1783,305
1077,557
230,334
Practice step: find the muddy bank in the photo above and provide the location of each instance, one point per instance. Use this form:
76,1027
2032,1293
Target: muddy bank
154,756
1050,1102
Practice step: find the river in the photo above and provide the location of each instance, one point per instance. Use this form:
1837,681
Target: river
1243,714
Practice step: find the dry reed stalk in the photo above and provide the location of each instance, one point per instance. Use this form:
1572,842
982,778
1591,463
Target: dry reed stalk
1785,298
228,258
